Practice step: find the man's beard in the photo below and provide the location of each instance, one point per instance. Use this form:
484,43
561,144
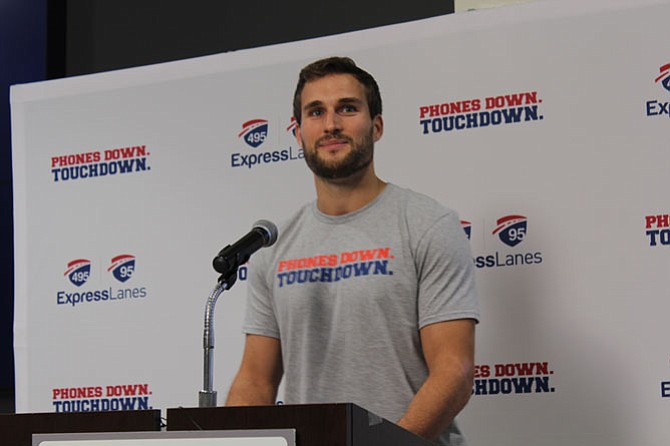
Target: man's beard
359,157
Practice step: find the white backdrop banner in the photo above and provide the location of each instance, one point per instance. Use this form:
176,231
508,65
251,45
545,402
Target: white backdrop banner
545,125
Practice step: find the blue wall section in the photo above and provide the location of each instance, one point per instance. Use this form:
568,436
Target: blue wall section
23,27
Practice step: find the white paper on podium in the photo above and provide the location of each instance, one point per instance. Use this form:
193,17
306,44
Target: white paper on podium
256,437
251,441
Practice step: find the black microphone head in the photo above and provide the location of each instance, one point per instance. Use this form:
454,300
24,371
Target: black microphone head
269,231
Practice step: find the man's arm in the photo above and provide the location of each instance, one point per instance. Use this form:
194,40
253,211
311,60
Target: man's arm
258,378
449,351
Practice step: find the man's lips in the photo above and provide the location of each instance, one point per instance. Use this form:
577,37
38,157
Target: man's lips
332,143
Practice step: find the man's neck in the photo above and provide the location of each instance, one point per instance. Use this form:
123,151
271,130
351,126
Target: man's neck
340,197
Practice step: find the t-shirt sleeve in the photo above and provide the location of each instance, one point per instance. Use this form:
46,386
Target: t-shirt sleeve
445,273
260,317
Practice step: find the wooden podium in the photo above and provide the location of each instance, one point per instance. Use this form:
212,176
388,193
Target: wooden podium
17,429
343,424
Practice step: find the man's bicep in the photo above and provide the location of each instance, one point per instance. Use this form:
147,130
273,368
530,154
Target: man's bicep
446,274
262,358
449,344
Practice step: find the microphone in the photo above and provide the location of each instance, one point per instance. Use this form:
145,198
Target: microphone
263,233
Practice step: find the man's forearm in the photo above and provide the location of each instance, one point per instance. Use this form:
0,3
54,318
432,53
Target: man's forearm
257,380
247,392
437,403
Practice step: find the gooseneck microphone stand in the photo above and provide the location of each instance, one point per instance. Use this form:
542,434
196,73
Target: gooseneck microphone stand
207,396
227,262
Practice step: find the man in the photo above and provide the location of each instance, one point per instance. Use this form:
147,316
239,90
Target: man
368,295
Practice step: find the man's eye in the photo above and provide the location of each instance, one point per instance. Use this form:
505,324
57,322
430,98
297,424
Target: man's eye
348,109
315,112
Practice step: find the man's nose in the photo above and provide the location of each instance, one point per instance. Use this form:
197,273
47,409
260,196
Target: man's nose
333,122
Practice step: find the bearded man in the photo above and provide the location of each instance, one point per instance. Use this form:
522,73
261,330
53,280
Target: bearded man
368,296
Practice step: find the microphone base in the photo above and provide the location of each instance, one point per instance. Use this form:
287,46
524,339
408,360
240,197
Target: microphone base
207,398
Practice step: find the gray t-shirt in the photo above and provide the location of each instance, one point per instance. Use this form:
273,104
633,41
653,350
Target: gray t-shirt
347,296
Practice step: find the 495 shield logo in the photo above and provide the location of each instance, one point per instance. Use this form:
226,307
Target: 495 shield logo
660,107
254,132
78,271
511,229
467,227
664,78
122,267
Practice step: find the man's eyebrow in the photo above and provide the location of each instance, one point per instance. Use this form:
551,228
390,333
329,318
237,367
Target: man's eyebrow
350,101
319,103
312,104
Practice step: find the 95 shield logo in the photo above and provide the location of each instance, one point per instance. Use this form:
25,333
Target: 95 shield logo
78,271
467,227
293,126
122,267
511,229
254,132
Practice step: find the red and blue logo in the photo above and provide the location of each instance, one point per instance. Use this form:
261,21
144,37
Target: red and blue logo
660,107
254,132
511,229
293,126
122,267
467,227
78,271
664,77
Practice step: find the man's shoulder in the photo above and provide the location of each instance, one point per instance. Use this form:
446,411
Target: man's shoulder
298,218
420,205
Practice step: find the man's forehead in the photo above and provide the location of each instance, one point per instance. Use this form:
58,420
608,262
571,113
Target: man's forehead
333,87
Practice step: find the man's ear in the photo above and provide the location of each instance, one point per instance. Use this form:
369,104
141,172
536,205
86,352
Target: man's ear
298,135
378,127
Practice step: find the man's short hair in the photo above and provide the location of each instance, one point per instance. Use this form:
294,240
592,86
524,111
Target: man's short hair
338,65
